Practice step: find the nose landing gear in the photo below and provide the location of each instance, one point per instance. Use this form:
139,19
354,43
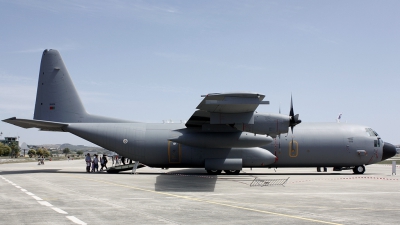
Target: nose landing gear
359,169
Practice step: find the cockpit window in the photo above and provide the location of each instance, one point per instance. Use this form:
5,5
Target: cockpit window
371,132
377,143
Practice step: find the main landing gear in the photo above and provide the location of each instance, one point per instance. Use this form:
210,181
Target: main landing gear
229,172
232,172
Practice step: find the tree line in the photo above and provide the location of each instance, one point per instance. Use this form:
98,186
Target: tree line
13,150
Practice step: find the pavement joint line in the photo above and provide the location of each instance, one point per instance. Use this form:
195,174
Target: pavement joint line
76,220
208,201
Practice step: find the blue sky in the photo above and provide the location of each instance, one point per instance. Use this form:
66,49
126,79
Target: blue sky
152,60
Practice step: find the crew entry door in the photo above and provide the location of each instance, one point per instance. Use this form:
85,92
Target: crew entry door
174,152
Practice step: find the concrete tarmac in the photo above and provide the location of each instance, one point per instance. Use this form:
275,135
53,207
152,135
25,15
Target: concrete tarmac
61,192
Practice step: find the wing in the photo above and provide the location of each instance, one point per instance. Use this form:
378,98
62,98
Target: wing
226,108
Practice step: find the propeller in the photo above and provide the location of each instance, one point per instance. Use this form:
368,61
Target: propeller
279,132
294,119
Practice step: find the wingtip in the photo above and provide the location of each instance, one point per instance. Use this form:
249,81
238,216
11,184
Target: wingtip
11,118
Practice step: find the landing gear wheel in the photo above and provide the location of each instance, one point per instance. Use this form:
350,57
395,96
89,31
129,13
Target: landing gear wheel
214,172
359,169
232,172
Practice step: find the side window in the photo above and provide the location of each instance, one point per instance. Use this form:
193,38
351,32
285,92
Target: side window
377,143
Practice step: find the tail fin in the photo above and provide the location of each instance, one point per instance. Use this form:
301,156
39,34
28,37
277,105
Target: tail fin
56,98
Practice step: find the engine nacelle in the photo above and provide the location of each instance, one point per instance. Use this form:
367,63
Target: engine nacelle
221,140
266,123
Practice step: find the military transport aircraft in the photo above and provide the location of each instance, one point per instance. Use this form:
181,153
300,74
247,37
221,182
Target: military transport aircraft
225,133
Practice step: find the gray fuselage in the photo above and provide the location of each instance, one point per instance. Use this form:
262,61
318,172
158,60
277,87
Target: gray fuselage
314,144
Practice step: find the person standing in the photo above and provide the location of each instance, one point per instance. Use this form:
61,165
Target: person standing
95,164
104,162
88,162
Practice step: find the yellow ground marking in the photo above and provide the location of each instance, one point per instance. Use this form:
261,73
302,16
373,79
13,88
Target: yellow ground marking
323,207
208,201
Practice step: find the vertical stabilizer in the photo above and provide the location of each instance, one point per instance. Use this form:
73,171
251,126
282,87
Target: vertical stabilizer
56,98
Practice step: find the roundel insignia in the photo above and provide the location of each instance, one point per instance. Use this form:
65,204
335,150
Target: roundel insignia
125,141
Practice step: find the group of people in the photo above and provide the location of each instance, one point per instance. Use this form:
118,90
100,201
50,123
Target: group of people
41,160
92,165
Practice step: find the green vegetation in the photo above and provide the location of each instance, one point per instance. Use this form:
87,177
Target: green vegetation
15,150
42,152
31,153
66,151
4,150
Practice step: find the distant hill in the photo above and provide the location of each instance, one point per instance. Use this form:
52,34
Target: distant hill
72,147
80,147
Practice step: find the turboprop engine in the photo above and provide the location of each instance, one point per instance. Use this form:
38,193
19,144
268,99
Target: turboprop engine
238,111
269,124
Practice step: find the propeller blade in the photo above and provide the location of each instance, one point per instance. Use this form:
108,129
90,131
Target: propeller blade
294,119
279,142
292,144
291,106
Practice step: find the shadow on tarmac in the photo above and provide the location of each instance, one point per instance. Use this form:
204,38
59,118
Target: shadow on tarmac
182,183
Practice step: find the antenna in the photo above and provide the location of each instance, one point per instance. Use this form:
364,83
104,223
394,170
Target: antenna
339,117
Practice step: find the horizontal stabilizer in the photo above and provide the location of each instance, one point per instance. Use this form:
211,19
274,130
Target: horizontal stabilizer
42,125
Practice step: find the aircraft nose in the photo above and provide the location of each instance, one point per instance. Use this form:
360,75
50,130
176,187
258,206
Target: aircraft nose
388,151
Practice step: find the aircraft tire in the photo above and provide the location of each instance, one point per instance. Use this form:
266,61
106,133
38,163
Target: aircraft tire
359,169
214,172
232,172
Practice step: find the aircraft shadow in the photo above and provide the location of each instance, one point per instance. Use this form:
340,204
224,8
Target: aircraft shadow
184,183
